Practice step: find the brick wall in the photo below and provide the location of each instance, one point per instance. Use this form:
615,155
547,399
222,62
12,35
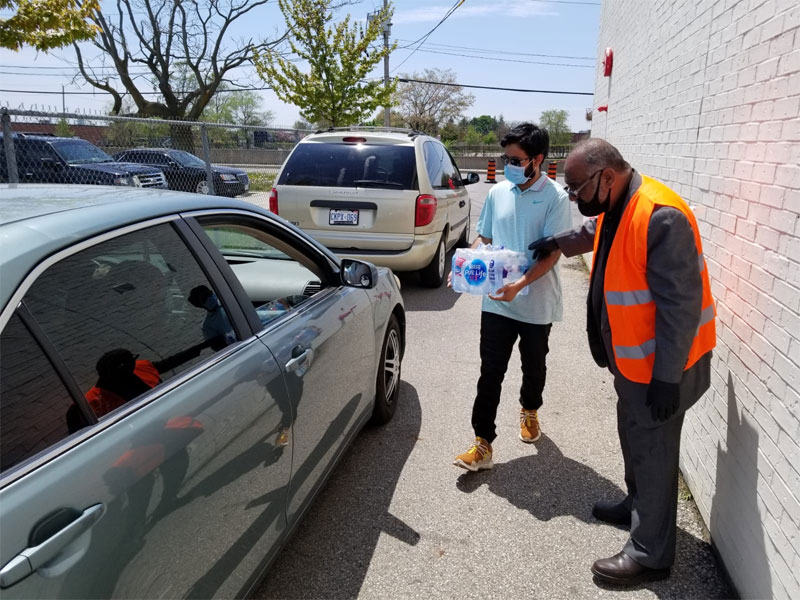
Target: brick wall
705,95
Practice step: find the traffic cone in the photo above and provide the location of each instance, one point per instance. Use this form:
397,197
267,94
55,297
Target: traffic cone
551,169
490,172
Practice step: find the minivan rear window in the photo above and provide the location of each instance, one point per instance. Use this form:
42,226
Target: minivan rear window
351,165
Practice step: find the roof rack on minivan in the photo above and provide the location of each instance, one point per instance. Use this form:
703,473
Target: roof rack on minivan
406,130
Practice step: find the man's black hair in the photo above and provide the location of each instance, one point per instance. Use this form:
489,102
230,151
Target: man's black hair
534,140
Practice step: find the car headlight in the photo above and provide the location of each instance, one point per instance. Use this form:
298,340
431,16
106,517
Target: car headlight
227,176
123,181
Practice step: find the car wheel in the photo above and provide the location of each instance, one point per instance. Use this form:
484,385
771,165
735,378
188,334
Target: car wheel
433,274
387,387
202,187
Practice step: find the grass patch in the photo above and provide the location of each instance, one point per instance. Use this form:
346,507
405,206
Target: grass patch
261,182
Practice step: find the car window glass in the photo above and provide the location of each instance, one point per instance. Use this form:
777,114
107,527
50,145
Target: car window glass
77,152
351,165
33,153
35,408
455,174
441,170
155,158
129,314
276,276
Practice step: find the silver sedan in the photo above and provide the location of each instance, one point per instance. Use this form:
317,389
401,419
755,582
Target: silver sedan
179,375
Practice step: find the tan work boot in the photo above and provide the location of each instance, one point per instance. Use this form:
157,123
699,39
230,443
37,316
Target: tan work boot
478,457
529,426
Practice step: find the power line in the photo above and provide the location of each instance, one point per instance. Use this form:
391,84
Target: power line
248,89
511,60
507,52
424,38
489,87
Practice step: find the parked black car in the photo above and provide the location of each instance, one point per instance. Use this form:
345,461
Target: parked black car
50,159
187,173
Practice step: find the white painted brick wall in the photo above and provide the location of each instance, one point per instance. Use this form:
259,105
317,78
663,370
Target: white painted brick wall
705,95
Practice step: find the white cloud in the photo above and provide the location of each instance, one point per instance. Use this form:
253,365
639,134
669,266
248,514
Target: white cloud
427,14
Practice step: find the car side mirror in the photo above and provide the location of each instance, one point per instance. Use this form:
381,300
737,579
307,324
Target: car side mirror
359,274
472,178
173,164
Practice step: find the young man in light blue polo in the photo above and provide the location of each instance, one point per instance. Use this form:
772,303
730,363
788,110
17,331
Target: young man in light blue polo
525,207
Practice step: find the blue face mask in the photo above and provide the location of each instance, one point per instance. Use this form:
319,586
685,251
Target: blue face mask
515,175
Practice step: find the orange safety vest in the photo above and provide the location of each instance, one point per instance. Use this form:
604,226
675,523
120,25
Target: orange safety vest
103,401
630,306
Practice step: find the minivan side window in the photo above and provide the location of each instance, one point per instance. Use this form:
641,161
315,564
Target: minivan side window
442,171
128,314
35,406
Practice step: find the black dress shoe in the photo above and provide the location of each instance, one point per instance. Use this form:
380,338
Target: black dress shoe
621,569
611,512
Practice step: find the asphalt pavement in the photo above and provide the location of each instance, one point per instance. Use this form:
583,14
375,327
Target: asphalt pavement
398,520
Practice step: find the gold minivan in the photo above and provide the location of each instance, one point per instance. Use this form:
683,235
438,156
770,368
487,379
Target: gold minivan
393,197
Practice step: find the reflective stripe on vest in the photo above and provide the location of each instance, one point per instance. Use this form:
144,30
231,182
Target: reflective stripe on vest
629,302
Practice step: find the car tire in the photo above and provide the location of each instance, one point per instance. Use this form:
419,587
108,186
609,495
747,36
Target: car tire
433,275
201,187
387,386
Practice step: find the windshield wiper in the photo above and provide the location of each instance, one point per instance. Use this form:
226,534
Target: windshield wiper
377,182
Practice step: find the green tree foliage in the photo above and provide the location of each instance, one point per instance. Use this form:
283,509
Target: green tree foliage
555,121
46,24
340,56
428,106
63,129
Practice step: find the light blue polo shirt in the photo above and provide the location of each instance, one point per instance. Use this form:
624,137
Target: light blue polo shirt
514,219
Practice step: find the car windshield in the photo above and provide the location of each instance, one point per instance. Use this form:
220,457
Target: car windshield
185,159
351,165
78,152
232,242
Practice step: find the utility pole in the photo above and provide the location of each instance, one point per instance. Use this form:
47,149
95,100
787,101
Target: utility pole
63,101
387,27
387,121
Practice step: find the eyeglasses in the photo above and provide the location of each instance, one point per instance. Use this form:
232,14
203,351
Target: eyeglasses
574,192
514,161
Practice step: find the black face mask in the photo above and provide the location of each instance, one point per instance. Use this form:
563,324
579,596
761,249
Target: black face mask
594,207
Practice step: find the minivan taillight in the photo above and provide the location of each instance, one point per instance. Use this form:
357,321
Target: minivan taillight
426,210
273,201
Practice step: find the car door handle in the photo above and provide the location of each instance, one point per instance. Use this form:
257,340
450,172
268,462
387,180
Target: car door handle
35,557
462,203
301,362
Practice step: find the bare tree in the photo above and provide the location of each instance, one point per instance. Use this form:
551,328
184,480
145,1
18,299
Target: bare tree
182,48
428,106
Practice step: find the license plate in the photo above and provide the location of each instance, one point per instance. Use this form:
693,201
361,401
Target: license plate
246,187
343,217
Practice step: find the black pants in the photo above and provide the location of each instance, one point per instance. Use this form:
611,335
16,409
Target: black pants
498,335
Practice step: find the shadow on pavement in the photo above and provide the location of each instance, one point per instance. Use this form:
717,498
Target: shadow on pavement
330,552
419,298
695,574
548,485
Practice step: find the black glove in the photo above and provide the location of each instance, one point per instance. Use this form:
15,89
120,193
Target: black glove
663,399
543,247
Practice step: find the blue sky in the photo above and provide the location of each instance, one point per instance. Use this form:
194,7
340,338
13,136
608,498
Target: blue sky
468,42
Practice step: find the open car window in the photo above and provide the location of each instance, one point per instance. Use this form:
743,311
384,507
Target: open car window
277,276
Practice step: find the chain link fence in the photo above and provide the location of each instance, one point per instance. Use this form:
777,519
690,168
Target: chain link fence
207,158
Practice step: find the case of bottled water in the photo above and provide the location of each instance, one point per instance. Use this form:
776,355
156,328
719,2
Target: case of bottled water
485,269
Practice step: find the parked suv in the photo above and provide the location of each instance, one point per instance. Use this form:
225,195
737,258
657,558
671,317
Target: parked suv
187,173
49,159
394,197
